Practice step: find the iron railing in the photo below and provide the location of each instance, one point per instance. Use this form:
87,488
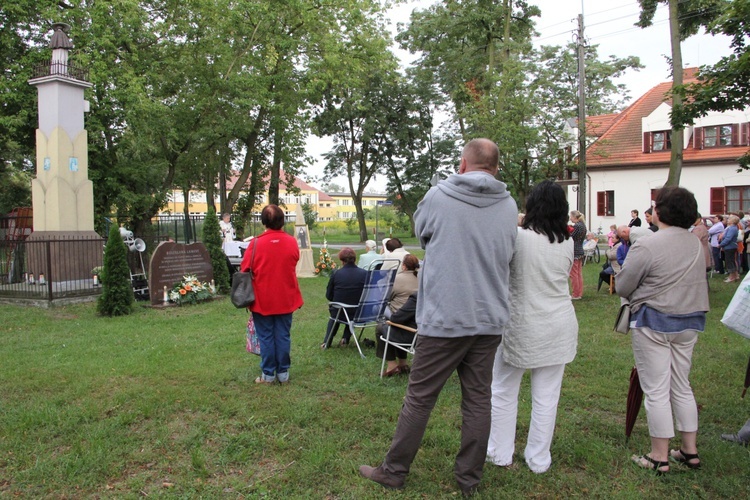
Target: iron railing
58,68
47,270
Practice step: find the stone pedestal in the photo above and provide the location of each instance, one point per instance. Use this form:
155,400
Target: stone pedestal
64,256
306,265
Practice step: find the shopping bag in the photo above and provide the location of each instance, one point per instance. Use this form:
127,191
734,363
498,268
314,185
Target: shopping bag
737,315
253,344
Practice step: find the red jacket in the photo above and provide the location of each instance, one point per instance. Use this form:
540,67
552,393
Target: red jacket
274,273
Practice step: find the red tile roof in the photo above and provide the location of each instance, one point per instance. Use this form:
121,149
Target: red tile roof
620,144
598,125
299,183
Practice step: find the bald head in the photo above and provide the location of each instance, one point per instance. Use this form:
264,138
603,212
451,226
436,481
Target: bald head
623,232
480,155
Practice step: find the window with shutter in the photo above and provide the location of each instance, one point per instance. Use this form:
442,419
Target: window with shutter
605,203
717,200
698,138
720,136
661,141
647,142
738,199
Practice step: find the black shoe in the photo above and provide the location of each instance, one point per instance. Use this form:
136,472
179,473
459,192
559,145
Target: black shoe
368,343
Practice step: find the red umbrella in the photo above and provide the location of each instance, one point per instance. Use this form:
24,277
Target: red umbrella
635,399
747,378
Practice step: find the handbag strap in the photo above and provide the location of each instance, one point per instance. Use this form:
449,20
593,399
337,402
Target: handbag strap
252,255
644,299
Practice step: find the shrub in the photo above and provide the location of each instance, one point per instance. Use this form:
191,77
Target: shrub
117,291
211,237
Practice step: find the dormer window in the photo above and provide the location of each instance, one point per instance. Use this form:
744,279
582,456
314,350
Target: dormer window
720,135
661,141
657,141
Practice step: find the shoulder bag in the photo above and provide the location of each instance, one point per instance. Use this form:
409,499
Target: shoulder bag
243,294
622,323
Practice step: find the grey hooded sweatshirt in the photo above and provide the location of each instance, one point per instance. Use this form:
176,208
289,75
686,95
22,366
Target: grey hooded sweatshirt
467,225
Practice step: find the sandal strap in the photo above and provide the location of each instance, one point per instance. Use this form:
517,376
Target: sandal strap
688,456
656,463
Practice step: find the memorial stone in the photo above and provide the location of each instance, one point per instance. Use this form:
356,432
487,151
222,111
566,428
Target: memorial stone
171,261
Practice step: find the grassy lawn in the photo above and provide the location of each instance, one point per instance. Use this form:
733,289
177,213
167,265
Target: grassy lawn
162,403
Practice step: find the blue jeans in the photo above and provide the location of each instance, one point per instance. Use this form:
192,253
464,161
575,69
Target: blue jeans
275,344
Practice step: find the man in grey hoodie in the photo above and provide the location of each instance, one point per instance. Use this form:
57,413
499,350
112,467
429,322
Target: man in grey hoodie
467,225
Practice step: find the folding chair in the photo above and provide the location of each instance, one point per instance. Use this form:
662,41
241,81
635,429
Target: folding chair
371,306
404,346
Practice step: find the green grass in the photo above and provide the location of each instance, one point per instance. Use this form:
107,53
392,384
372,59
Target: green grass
162,403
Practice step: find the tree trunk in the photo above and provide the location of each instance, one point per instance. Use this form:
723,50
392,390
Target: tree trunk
273,183
675,162
186,213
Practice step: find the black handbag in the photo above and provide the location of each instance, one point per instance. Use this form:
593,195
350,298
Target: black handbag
243,294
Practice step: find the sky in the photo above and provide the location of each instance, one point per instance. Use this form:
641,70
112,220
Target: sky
610,25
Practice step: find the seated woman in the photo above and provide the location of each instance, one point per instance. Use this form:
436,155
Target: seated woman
396,358
406,283
612,267
345,285
394,250
591,241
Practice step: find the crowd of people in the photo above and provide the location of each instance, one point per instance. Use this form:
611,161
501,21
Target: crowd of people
492,326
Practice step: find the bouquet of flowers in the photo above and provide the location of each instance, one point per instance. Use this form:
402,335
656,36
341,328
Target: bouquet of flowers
191,291
325,265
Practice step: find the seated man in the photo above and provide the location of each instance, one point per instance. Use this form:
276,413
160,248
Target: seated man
405,316
370,255
345,285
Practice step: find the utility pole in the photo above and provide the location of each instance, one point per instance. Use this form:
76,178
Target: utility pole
581,119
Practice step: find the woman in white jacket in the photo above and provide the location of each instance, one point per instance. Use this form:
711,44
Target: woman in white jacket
542,335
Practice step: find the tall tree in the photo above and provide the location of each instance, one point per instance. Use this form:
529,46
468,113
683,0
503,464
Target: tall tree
725,85
354,110
685,19
480,59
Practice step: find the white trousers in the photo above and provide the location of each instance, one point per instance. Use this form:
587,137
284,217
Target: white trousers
545,394
663,362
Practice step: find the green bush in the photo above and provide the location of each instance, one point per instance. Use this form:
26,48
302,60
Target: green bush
117,292
211,237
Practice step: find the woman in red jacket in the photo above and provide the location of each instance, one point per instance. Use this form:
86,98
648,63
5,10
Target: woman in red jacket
273,257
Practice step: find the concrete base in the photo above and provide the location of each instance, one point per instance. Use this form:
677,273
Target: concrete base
305,265
64,256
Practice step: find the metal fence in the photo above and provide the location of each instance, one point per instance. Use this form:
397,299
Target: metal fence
47,270
63,268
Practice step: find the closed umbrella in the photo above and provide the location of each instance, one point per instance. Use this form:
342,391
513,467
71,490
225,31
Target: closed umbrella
635,399
747,378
